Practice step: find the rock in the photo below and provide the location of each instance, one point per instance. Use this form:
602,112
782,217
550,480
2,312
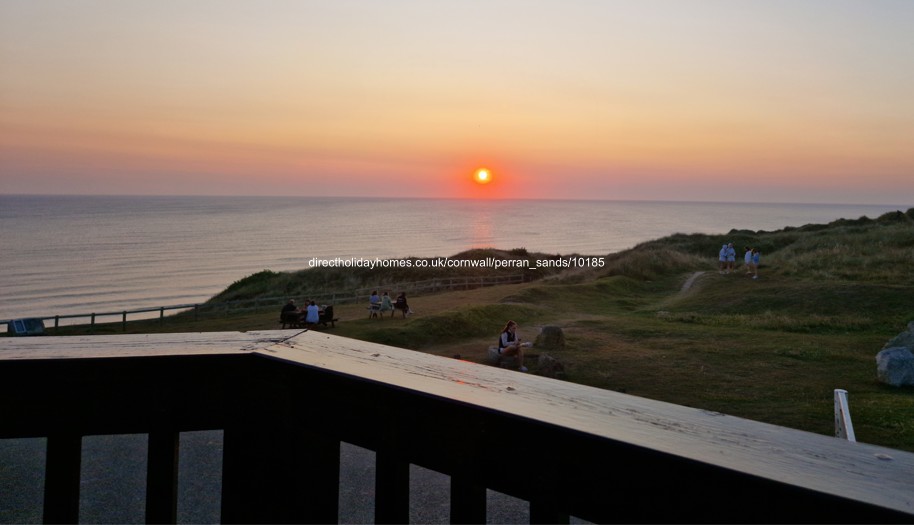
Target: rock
504,361
895,366
905,339
551,338
549,366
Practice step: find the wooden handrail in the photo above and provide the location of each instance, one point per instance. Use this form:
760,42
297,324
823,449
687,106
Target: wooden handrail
286,399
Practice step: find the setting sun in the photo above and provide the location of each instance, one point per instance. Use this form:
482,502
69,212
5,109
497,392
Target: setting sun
482,176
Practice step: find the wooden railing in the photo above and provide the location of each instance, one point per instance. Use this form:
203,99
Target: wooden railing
262,303
287,399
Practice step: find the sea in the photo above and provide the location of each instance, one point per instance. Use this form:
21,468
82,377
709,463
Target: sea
66,254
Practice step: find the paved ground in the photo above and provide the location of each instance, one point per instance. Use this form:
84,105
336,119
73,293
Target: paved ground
113,483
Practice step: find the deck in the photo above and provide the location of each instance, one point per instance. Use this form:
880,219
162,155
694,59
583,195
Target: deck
286,399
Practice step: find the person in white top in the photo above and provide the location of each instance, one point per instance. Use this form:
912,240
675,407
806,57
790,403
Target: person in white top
313,314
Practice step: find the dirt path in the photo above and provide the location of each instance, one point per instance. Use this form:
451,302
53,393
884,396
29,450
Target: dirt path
690,281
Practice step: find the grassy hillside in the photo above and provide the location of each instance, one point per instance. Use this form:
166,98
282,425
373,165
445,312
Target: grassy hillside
827,299
320,280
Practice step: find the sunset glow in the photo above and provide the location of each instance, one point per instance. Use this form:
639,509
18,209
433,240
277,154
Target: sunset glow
657,100
482,176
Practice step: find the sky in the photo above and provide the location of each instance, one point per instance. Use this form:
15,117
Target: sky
702,100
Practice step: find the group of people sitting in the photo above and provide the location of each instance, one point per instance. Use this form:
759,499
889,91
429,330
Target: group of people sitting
309,315
378,304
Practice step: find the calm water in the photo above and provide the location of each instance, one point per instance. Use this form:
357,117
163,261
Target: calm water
76,254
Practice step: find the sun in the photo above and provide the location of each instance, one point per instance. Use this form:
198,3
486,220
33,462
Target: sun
482,176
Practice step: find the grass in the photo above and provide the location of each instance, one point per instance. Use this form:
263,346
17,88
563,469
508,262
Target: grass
828,298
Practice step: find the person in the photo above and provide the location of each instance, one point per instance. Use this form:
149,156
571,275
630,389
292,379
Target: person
509,344
731,257
756,257
288,307
313,314
722,258
289,314
386,305
748,259
401,304
374,304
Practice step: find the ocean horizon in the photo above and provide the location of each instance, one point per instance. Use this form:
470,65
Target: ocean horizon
78,254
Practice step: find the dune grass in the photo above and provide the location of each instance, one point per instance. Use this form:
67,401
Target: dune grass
827,300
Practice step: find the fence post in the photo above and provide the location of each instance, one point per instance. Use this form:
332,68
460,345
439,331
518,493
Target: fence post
61,486
56,322
124,322
92,324
161,315
844,428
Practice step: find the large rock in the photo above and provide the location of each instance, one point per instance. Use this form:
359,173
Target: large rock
551,338
550,367
905,339
895,366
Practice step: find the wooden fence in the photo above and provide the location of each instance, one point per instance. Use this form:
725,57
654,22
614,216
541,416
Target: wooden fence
286,399
262,303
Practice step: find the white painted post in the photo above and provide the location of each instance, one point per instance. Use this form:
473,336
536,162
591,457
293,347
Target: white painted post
844,428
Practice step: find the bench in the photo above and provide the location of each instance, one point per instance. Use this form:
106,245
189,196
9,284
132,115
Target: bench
402,308
291,318
374,310
327,317
296,320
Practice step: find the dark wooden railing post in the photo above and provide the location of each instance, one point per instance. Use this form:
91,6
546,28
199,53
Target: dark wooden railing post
276,468
320,485
391,489
61,481
124,322
541,512
162,477
468,501
270,475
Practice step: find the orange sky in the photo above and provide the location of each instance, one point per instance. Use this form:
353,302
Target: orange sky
805,101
